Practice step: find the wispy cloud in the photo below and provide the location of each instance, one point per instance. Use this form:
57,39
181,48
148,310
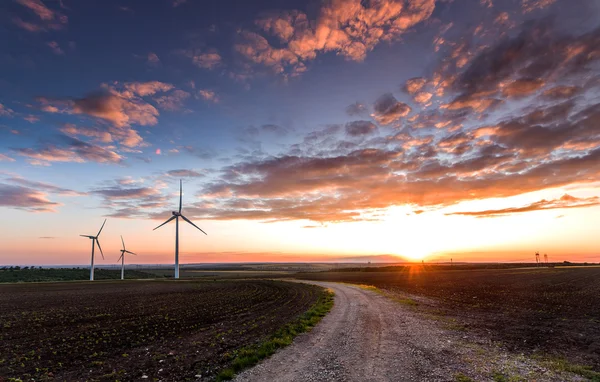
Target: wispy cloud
566,201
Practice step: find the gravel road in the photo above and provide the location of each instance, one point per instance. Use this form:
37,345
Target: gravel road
370,337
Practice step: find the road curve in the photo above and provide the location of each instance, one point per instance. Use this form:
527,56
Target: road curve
365,337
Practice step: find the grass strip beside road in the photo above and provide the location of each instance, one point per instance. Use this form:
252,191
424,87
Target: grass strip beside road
251,355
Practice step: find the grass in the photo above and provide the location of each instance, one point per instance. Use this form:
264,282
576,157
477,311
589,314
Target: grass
460,377
561,364
372,288
251,355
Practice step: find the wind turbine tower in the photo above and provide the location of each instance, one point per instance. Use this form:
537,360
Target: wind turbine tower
122,258
94,243
176,216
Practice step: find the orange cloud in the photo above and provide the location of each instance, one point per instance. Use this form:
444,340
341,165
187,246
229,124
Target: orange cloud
522,87
566,201
350,28
208,95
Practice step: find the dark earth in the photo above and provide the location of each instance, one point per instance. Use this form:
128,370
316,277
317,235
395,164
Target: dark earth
138,330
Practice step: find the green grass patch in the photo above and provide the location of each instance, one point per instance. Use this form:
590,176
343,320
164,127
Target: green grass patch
460,377
251,355
561,364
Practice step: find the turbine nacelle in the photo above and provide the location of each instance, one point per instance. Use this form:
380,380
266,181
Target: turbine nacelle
175,213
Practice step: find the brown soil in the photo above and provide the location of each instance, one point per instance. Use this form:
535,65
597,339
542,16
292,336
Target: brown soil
136,330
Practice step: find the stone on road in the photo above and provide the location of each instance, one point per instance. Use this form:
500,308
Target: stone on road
369,337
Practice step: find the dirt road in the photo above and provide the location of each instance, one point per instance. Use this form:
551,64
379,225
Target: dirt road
370,337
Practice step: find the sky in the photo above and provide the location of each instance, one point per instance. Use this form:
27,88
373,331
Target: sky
301,130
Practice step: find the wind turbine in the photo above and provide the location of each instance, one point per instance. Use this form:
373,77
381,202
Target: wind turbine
176,216
122,258
95,241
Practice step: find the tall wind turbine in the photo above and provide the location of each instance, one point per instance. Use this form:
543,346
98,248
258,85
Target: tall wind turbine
176,216
122,258
95,241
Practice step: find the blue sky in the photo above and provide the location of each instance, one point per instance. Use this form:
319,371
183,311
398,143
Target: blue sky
297,114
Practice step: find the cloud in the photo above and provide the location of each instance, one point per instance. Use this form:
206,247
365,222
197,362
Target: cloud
119,105
30,27
350,28
49,19
560,92
532,5
387,109
203,59
125,193
423,97
414,85
208,95
521,64
106,134
184,174
566,201
69,150
124,200
358,128
6,158
522,87
41,186
173,101
55,47
5,111
152,60
356,109
177,3
115,109
144,89
26,199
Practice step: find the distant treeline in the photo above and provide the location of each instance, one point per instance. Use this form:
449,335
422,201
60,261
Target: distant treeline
448,267
37,274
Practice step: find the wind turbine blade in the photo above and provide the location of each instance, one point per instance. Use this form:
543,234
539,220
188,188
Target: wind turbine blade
101,228
122,241
186,219
172,217
85,235
119,259
131,253
180,193
100,248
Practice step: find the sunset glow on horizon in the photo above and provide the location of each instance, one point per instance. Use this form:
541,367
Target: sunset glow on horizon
319,131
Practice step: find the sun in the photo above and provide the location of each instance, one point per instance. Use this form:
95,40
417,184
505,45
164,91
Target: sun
416,255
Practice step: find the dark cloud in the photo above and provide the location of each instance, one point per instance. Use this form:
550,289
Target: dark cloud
26,199
356,109
387,109
539,52
359,128
69,149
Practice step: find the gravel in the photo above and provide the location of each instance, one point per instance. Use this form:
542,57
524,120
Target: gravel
369,337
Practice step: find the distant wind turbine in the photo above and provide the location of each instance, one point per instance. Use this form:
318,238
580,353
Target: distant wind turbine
122,258
176,216
95,241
